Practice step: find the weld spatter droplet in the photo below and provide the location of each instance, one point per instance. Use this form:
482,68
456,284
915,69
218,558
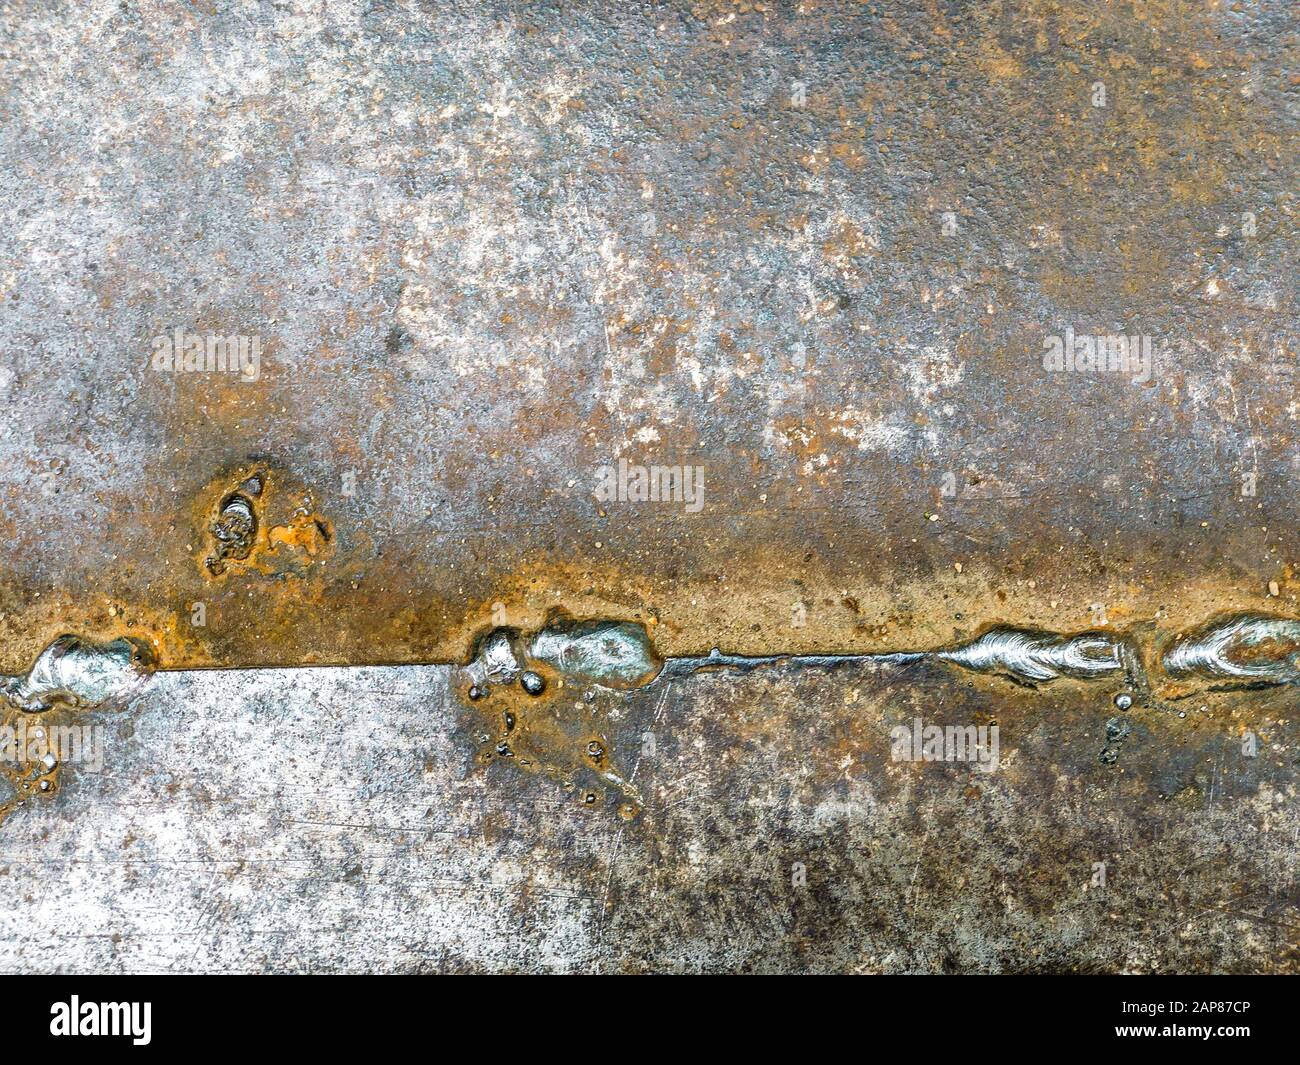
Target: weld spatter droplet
1248,647
81,674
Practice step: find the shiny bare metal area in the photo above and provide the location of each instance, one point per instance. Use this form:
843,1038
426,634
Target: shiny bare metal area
685,421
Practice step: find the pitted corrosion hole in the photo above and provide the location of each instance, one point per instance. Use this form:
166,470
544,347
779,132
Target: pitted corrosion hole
255,529
235,526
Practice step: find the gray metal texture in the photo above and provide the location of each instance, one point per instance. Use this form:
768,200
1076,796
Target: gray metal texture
345,334
334,820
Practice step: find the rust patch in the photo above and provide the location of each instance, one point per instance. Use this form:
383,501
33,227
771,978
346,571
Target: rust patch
262,523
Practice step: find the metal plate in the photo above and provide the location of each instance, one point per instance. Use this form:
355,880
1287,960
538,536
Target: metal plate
334,820
490,263
488,251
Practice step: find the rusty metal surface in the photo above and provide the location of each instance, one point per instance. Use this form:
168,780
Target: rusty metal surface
820,253
489,250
